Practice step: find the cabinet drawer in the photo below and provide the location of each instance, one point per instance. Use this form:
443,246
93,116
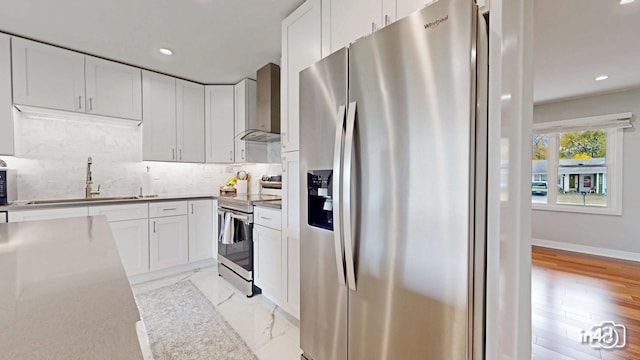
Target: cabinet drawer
121,212
167,208
46,214
268,217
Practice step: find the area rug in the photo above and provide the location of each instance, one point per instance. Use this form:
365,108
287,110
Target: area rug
182,324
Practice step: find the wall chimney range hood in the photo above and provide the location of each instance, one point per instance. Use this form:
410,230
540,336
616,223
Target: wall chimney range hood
267,123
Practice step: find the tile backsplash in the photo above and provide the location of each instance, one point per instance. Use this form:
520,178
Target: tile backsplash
51,159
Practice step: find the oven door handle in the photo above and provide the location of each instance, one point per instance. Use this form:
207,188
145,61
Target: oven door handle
245,218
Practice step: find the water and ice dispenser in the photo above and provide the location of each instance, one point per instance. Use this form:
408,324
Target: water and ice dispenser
320,201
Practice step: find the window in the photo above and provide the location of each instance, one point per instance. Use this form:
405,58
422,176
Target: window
577,164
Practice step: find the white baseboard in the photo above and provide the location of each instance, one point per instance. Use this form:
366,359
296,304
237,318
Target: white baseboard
159,274
591,250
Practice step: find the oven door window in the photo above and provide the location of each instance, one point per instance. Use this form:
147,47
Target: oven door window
240,250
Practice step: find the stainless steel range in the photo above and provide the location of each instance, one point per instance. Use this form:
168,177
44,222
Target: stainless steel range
235,242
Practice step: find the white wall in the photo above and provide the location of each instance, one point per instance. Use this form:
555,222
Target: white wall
51,158
601,231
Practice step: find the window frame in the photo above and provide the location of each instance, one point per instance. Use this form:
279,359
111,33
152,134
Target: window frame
613,162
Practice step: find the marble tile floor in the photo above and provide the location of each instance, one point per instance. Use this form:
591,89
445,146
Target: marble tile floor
270,333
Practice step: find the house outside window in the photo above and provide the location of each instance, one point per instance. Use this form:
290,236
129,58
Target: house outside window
577,165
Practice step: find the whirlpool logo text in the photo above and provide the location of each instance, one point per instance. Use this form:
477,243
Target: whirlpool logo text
434,24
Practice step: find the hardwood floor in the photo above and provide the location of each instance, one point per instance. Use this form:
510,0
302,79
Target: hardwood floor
572,292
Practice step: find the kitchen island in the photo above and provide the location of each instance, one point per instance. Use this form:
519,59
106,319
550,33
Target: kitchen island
64,293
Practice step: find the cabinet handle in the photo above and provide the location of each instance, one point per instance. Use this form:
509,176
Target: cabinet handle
191,209
80,102
387,20
231,155
242,154
169,209
283,138
173,154
265,218
154,227
91,104
374,27
180,152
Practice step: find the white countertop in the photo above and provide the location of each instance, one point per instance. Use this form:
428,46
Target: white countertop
64,293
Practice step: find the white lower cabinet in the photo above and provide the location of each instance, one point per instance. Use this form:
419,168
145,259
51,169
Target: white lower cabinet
132,240
129,225
267,261
276,260
168,242
291,275
149,235
202,242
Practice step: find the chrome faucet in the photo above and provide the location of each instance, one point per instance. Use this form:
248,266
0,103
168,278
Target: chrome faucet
88,191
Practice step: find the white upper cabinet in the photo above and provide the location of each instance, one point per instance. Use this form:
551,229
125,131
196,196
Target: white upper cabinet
353,19
47,76
241,112
219,123
159,117
190,121
50,77
348,20
301,47
173,119
6,117
406,7
113,89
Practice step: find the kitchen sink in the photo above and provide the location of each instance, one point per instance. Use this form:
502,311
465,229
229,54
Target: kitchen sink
80,200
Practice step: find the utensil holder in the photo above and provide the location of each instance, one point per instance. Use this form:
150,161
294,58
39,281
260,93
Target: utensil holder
242,186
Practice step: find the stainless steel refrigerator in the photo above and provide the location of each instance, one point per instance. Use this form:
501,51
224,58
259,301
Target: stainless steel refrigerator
393,191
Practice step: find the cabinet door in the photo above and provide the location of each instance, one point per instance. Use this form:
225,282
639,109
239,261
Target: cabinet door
47,214
132,240
353,19
201,234
219,124
158,117
267,248
190,121
168,242
301,47
406,7
291,194
6,116
291,274
47,76
113,89
242,112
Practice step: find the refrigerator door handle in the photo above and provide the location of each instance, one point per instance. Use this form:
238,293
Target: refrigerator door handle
337,175
346,196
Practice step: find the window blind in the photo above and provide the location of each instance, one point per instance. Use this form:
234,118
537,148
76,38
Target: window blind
612,121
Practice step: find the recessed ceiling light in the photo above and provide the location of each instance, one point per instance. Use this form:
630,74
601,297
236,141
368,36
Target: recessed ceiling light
623,2
602,77
165,51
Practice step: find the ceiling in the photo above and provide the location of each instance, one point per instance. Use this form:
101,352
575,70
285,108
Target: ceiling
214,41
577,40
223,41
